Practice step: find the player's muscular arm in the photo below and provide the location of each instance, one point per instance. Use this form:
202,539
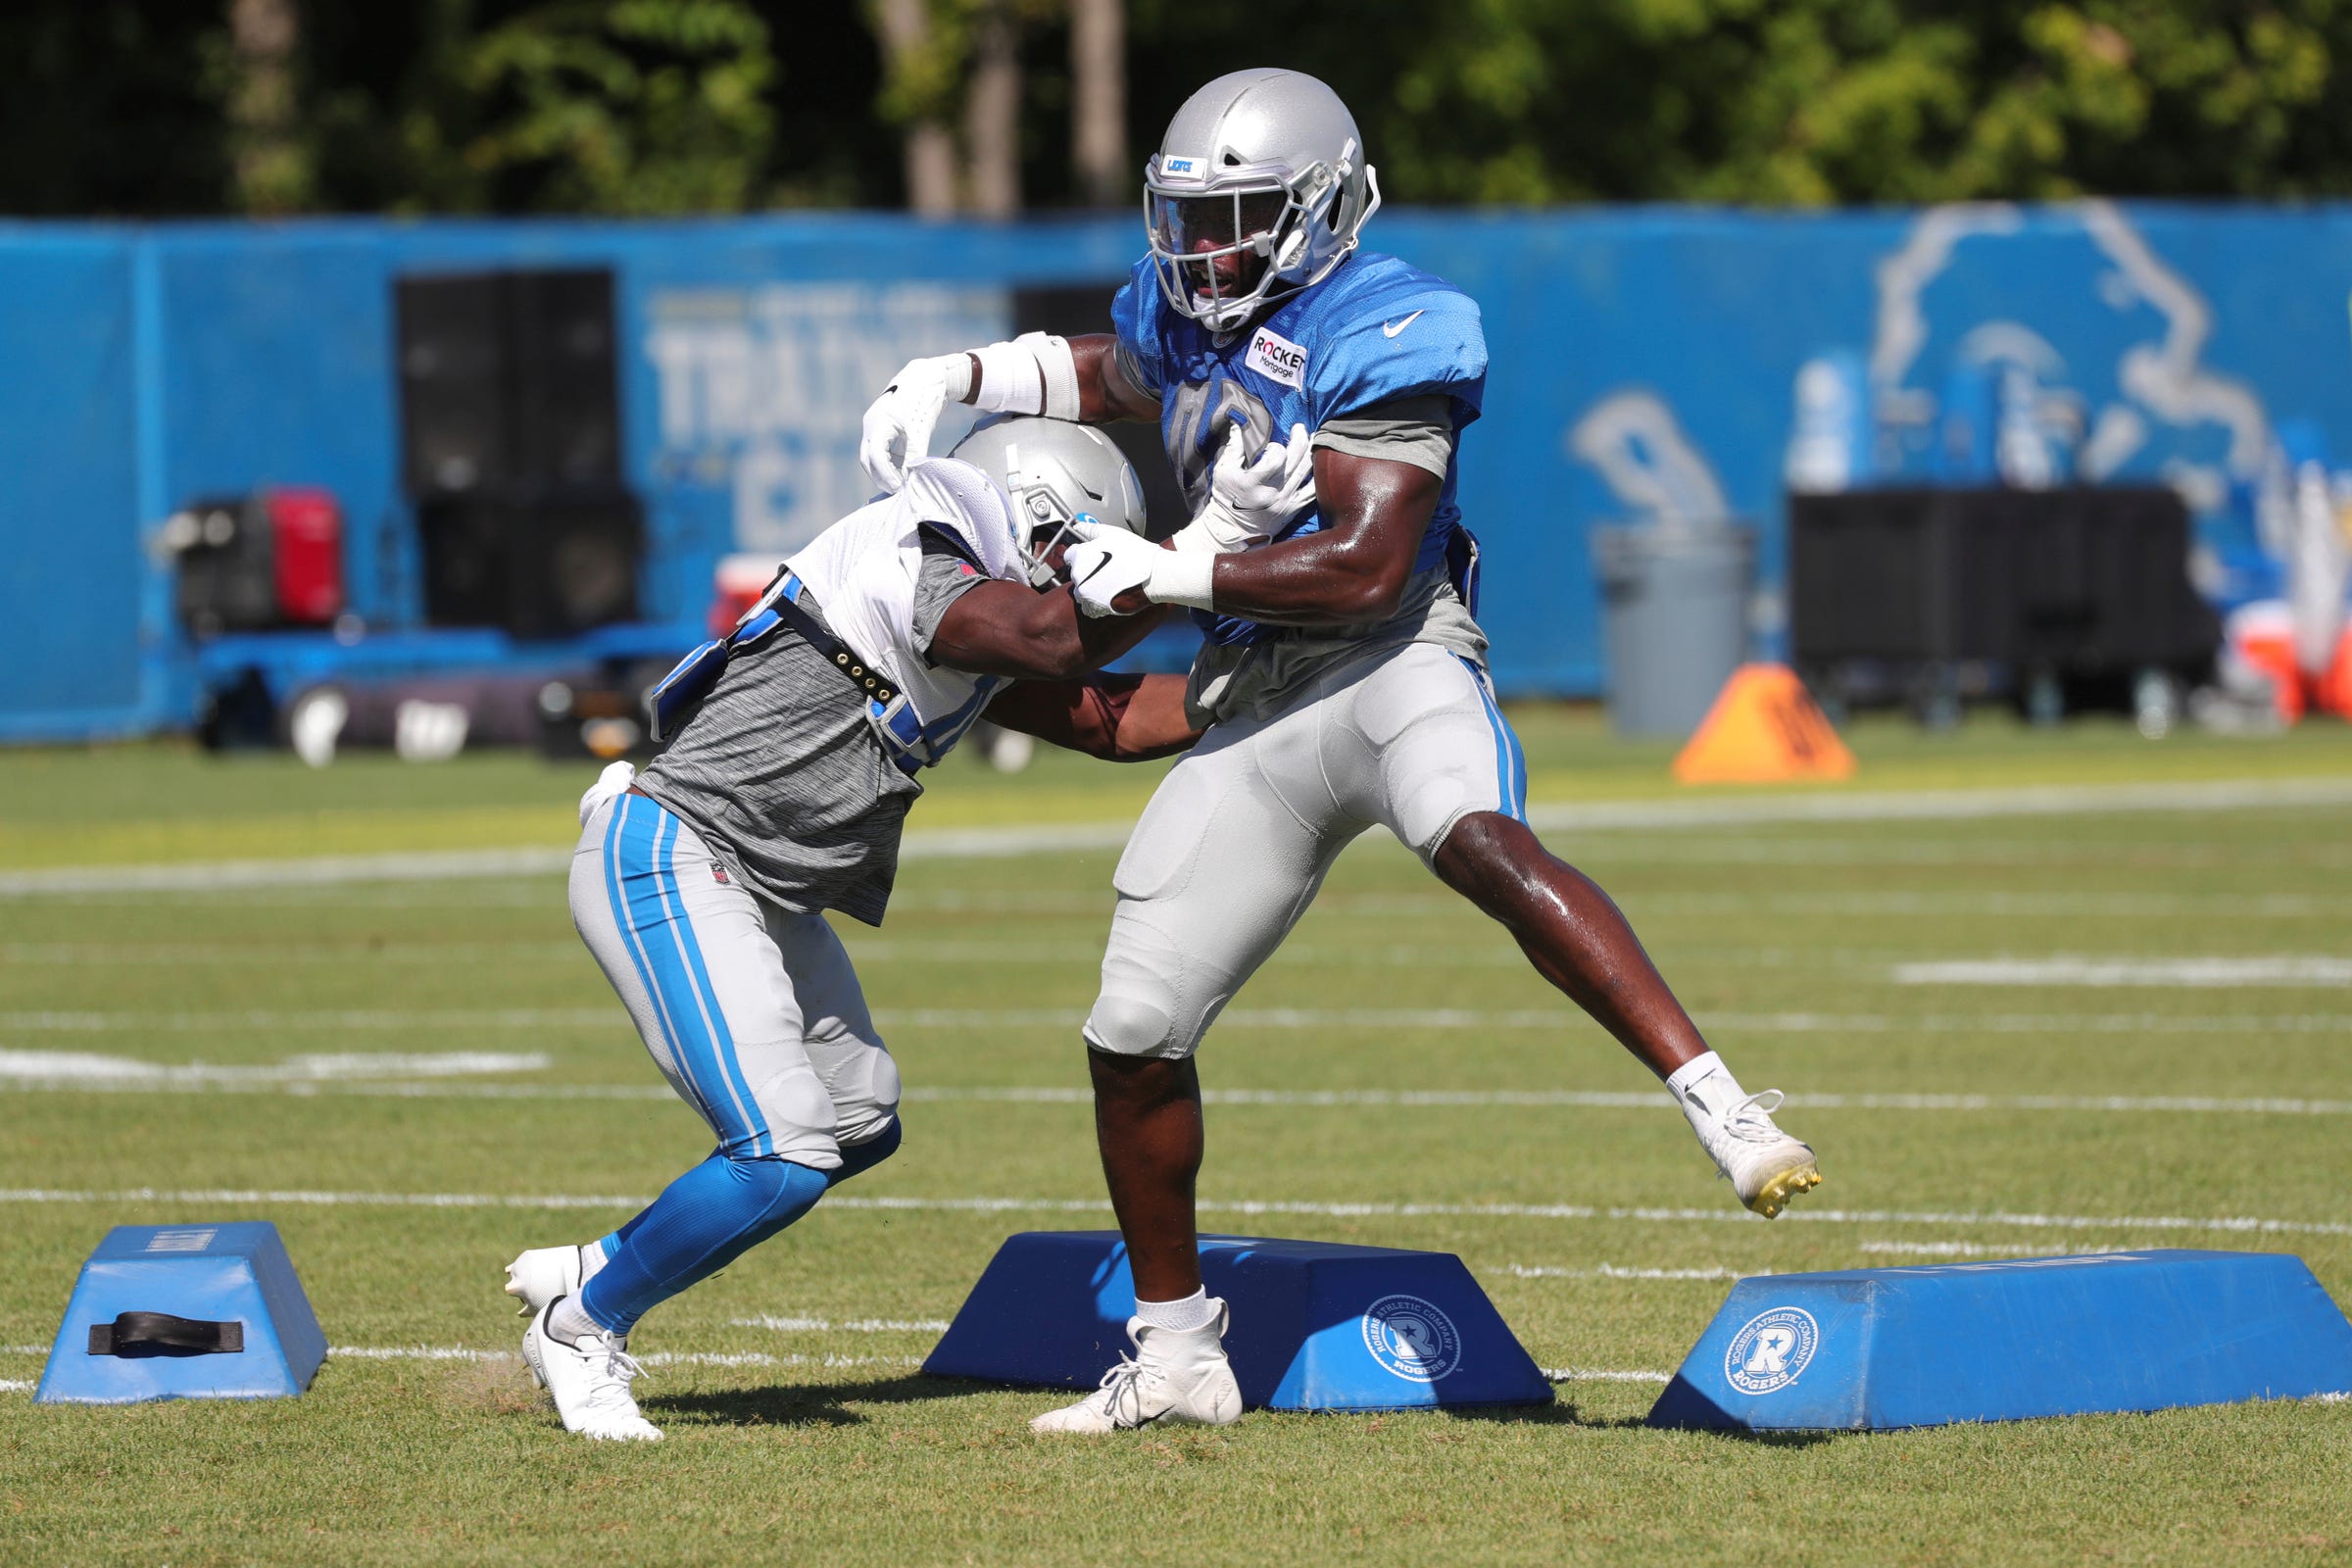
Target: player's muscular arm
1357,568
1003,629
1122,718
1104,393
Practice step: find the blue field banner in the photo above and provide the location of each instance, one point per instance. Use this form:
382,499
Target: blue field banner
1316,1326
232,1279
1877,1348
1647,365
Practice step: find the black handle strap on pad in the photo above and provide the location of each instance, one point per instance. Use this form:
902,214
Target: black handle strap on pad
832,649
161,1334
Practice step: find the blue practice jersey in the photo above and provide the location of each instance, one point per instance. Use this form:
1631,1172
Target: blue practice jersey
1375,330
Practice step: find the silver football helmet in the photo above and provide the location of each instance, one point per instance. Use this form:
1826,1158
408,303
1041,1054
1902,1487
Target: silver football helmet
1259,163
1056,473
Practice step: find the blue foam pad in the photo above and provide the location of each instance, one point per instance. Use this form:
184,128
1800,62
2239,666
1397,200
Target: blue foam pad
1315,1326
220,1273
1873,1348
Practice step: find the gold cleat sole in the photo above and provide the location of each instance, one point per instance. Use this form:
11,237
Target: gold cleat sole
1774,1194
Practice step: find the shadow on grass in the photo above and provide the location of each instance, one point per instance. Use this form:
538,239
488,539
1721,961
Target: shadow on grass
805,1404
1567,1414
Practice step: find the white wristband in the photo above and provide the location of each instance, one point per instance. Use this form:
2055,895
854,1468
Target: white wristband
1058,367
1034,373
1182,577
956,372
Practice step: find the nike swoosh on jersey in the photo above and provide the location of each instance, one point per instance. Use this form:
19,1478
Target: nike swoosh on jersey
1392,328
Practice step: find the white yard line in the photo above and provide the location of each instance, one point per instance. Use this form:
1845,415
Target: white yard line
84,1067
323,870
858,1325
1589,1374
1994,1219
1610,1271
651,1358
1821,807
1935,904
359,1076
1979,1249
320,1021
1429,1020
2272,969
15,1386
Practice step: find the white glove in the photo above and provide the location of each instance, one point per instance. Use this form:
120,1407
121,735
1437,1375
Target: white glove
1249,503
898,423
1106,562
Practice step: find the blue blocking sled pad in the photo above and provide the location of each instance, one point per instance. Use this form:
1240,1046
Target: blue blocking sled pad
1875,1348
184,1312
1315,1326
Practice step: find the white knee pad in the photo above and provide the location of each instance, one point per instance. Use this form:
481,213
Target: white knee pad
1132,1026
801,1123
862,1080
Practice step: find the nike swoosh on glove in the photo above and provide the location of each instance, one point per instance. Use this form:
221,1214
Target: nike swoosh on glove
896,432
1105,562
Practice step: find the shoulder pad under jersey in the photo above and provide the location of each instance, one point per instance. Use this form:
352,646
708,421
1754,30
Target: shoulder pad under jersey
1135,320
1389,331
958,498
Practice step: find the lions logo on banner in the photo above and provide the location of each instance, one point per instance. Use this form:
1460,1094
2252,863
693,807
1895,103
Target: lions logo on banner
1770,1349
1412,1339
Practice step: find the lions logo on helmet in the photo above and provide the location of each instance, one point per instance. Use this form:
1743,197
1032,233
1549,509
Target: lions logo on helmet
1259,190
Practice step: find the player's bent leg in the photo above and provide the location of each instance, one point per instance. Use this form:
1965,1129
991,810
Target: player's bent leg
1426,750
1576,937
1148,1126
578,1344
1225,859
843,1048
1221,864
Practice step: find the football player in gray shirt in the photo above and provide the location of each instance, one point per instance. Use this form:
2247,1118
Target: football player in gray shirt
795,748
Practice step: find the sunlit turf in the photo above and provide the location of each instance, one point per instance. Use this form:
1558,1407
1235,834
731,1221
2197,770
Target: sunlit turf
1783,939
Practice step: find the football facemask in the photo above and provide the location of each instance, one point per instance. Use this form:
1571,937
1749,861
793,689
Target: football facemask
1260,232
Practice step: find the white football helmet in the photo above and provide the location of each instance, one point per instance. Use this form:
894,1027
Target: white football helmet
1056,473
1261,164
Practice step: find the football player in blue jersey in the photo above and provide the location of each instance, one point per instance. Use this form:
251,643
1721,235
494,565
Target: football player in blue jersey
1343,681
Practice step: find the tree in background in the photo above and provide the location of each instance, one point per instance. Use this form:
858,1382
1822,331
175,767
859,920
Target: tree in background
142,107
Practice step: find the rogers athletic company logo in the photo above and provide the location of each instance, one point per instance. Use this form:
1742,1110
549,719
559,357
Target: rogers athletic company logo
1770,1349
1411,1339
1277,358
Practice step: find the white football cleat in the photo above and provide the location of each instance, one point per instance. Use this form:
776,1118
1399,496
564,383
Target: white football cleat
1767,1167
590,1381
542,1274
1173,1377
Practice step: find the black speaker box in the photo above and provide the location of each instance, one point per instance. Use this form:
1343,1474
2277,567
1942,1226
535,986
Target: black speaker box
227,579
535,564
508,379
2079,582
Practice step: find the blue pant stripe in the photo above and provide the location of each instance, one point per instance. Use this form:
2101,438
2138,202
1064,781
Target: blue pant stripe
1510,763
719,1083
619,836
722,1040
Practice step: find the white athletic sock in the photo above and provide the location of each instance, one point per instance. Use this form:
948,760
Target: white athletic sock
1188,1315
567,1320
1704,1088
592,1258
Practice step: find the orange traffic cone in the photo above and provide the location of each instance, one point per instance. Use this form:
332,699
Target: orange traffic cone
1763,728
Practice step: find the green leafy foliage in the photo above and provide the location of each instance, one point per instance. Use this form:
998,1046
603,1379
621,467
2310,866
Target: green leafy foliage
625,105
662,106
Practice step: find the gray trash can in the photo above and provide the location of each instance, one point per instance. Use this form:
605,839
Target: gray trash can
1674,618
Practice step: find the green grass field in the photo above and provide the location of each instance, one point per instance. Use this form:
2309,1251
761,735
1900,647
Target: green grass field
423,1441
